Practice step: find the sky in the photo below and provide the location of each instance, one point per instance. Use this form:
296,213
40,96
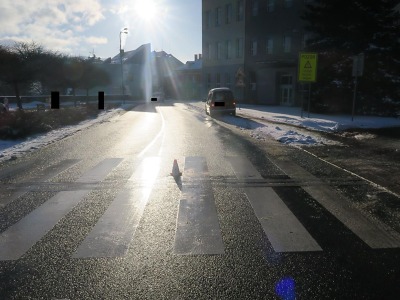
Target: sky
80,28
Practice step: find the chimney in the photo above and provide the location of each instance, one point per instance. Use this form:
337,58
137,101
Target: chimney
200,56
195,57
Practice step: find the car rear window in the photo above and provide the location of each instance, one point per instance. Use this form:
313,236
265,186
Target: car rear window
223,96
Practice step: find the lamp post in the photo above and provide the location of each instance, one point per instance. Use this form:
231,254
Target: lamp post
121,54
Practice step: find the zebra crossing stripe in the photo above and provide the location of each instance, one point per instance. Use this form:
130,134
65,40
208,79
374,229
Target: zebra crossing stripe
20,237
47,174
100,171
197,226
114,231
374,233
283,229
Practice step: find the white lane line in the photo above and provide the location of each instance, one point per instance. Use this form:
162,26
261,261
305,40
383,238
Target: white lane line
113,233
161,132
283,229
197,226
374,233
20,237
354,174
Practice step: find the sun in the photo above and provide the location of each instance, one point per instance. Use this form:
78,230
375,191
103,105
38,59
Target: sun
147,10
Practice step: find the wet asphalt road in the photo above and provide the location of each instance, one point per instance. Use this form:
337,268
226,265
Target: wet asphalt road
255,262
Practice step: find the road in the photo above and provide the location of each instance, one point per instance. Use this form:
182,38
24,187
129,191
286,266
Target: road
98,216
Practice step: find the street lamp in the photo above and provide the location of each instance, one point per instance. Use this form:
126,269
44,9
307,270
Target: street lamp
121,53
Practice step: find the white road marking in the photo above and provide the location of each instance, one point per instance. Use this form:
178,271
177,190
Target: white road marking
159,134
283,229
20,237
99,172
197,226
374,233
48,173
114,231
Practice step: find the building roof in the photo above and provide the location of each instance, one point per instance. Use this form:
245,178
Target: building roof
134,56
141,54
192,65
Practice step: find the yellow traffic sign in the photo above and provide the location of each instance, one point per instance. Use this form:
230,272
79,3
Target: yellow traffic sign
308,67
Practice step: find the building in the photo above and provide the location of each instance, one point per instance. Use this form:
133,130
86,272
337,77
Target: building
189,77
252,46
144,73
223,45
164,77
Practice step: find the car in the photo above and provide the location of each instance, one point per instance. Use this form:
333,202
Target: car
220,100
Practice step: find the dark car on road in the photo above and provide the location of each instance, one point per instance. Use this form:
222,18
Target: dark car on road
220,100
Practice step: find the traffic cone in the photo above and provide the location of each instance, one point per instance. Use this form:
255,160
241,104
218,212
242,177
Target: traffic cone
175,170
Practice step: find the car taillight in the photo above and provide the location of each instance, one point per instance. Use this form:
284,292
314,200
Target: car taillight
212,104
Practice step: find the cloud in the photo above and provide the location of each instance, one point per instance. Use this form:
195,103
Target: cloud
56,24
95,40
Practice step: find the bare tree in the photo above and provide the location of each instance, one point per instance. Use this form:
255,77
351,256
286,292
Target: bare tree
24,63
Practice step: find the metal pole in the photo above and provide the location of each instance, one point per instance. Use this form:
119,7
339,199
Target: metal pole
309,98
122,68
354,98
302,98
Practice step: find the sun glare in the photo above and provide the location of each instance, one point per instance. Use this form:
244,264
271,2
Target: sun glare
147,10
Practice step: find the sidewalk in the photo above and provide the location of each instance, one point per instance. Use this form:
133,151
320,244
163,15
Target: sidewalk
286,125
328,123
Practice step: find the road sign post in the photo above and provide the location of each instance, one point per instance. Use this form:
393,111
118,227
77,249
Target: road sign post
358,69
307,74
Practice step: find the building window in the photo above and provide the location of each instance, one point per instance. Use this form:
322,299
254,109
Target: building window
253,81
218,80
288,3
220,50
218,16
286,86
306,38
207,17
287,43
228,13
229,50
270,5
240,10
253,47
209,51
287,79
228,80
254,8
286,96
269,45
239,47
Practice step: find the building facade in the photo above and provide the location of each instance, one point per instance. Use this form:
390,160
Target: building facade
252,46
223,45
189,79
143,72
